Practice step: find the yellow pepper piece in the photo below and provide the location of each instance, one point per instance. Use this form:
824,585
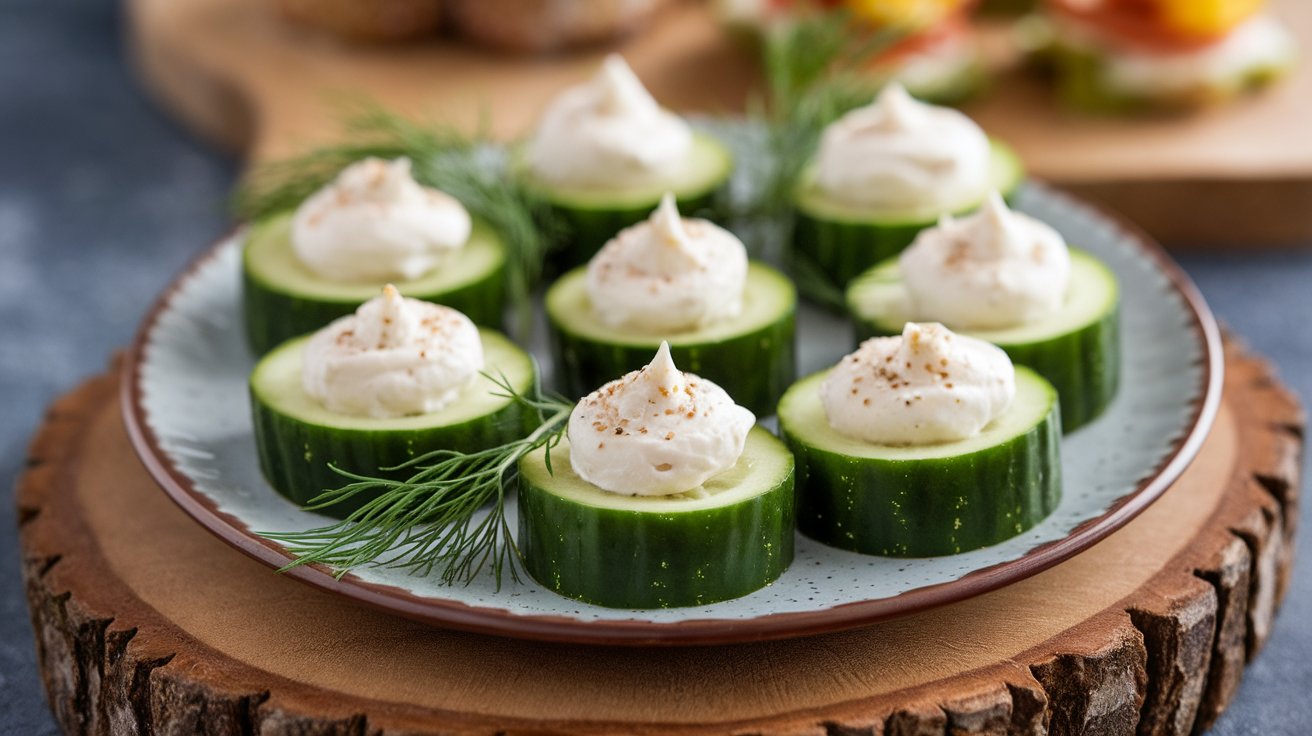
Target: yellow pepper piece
1207,17
903,13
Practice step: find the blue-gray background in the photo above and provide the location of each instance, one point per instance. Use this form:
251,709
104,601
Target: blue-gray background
103,199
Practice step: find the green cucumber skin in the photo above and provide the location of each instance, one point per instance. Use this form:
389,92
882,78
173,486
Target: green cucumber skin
294,454
632,559
755,368
273,316
587,230
844,250
928,507
1084,366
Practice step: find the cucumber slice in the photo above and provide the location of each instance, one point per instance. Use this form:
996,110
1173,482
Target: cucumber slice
929,500
658,551
297,438
752,356
1077,349
283,299
593,215
842,240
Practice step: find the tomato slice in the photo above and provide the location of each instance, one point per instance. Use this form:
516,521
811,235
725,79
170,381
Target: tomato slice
1150,25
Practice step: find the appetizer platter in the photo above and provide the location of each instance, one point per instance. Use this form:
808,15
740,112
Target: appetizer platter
402,455
980,462
187,385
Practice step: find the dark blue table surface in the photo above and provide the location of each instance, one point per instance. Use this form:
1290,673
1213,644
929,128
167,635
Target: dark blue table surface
102,201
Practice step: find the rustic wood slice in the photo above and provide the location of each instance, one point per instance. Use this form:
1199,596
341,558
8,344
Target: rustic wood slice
146,623
232,71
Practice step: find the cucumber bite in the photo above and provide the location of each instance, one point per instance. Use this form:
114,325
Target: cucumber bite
907,448
373,225
281,298
685,282
664,494
1087,81
1104,60
941,61
592,215
728,539
1073,342
605,153
373,390
887,171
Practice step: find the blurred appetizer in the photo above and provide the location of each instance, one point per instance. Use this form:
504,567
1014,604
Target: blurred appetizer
687,282
605,152
372,225
1128,55
932,49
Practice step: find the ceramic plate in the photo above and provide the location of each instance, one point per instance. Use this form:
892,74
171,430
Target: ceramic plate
186,407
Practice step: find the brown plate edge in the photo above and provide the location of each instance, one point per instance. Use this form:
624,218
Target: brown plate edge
500,622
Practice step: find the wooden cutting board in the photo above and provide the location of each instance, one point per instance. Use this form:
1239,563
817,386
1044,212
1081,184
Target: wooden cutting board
146,623
1239,175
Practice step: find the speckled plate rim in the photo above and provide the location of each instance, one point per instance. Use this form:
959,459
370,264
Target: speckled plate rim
690,632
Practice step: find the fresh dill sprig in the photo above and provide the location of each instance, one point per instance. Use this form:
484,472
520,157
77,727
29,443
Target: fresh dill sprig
813,72
430,520
471,168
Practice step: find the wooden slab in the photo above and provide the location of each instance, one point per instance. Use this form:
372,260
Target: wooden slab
1237,175
145,623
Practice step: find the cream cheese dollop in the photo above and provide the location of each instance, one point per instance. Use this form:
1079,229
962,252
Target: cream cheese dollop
609,132
657,431
394,357
900,155
993,269
374,222
926,386
668,274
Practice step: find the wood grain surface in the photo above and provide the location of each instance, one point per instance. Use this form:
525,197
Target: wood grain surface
1238,175
145,623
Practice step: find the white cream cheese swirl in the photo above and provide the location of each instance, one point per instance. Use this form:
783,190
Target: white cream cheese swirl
374,222
899,155
668,274
609,132
926,386
993,269
394,357
656,431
